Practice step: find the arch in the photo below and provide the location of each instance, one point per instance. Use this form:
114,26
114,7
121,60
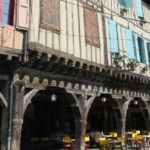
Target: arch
58,112
3,101
28,97
144,110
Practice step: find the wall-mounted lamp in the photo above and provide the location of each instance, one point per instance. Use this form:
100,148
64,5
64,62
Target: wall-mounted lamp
135,102
104,99
53,98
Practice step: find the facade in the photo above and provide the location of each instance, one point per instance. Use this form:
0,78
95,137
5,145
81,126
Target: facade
71,66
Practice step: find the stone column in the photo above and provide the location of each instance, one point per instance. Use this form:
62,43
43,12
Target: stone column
83,103
17,117
124,109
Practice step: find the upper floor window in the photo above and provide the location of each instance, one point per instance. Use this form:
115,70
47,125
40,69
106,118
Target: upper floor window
148,51
6,11
50,14
91,27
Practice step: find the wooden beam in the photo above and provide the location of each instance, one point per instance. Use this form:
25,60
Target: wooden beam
3,101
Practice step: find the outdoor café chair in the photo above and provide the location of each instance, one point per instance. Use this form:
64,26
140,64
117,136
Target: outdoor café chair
103,143
87,142
68,143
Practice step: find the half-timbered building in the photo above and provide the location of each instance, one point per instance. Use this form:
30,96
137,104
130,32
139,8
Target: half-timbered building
78,66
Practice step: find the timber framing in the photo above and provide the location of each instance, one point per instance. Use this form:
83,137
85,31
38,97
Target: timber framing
54,70
58,71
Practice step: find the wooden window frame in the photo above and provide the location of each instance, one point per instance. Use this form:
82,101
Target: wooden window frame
90,38
46,25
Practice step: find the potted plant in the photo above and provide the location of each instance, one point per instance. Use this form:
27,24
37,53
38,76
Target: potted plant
145,68
124,10
132,65
142,21
117,60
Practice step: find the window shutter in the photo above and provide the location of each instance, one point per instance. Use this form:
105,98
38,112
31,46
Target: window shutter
113,37
145,53
126,3
122,3
91,27
130,44
136,48
1,10
129,3
22,14
139,8
50,14
148,51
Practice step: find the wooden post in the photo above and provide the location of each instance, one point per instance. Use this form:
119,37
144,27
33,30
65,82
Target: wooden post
124,109
17,118
84,103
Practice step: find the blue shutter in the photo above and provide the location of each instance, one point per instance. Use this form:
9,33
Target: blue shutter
126,3
113,37
139,8
129,44
129,3
6,9
136,48
145,53
122,3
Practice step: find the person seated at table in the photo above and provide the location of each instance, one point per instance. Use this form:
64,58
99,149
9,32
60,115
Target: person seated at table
96,135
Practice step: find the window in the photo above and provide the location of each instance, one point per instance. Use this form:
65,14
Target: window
6,11
148,51
143,53
113,37
140,45
139,8
50,14
91,27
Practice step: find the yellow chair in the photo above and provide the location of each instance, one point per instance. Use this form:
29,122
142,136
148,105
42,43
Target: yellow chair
114,134
87,139
138,132
148,133
103,143
67,142
139,137
133,135
35,139
122,139
87,142
139,141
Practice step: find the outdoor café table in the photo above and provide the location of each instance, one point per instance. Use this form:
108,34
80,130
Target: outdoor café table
113,144
108,137
146,139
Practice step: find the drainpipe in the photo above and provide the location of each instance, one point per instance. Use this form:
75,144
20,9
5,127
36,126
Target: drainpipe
25,47
10,116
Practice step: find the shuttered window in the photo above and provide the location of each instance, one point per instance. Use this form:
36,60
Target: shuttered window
7,11
50,14
130,44
139,8
113,37
91,27
148,51
143,51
